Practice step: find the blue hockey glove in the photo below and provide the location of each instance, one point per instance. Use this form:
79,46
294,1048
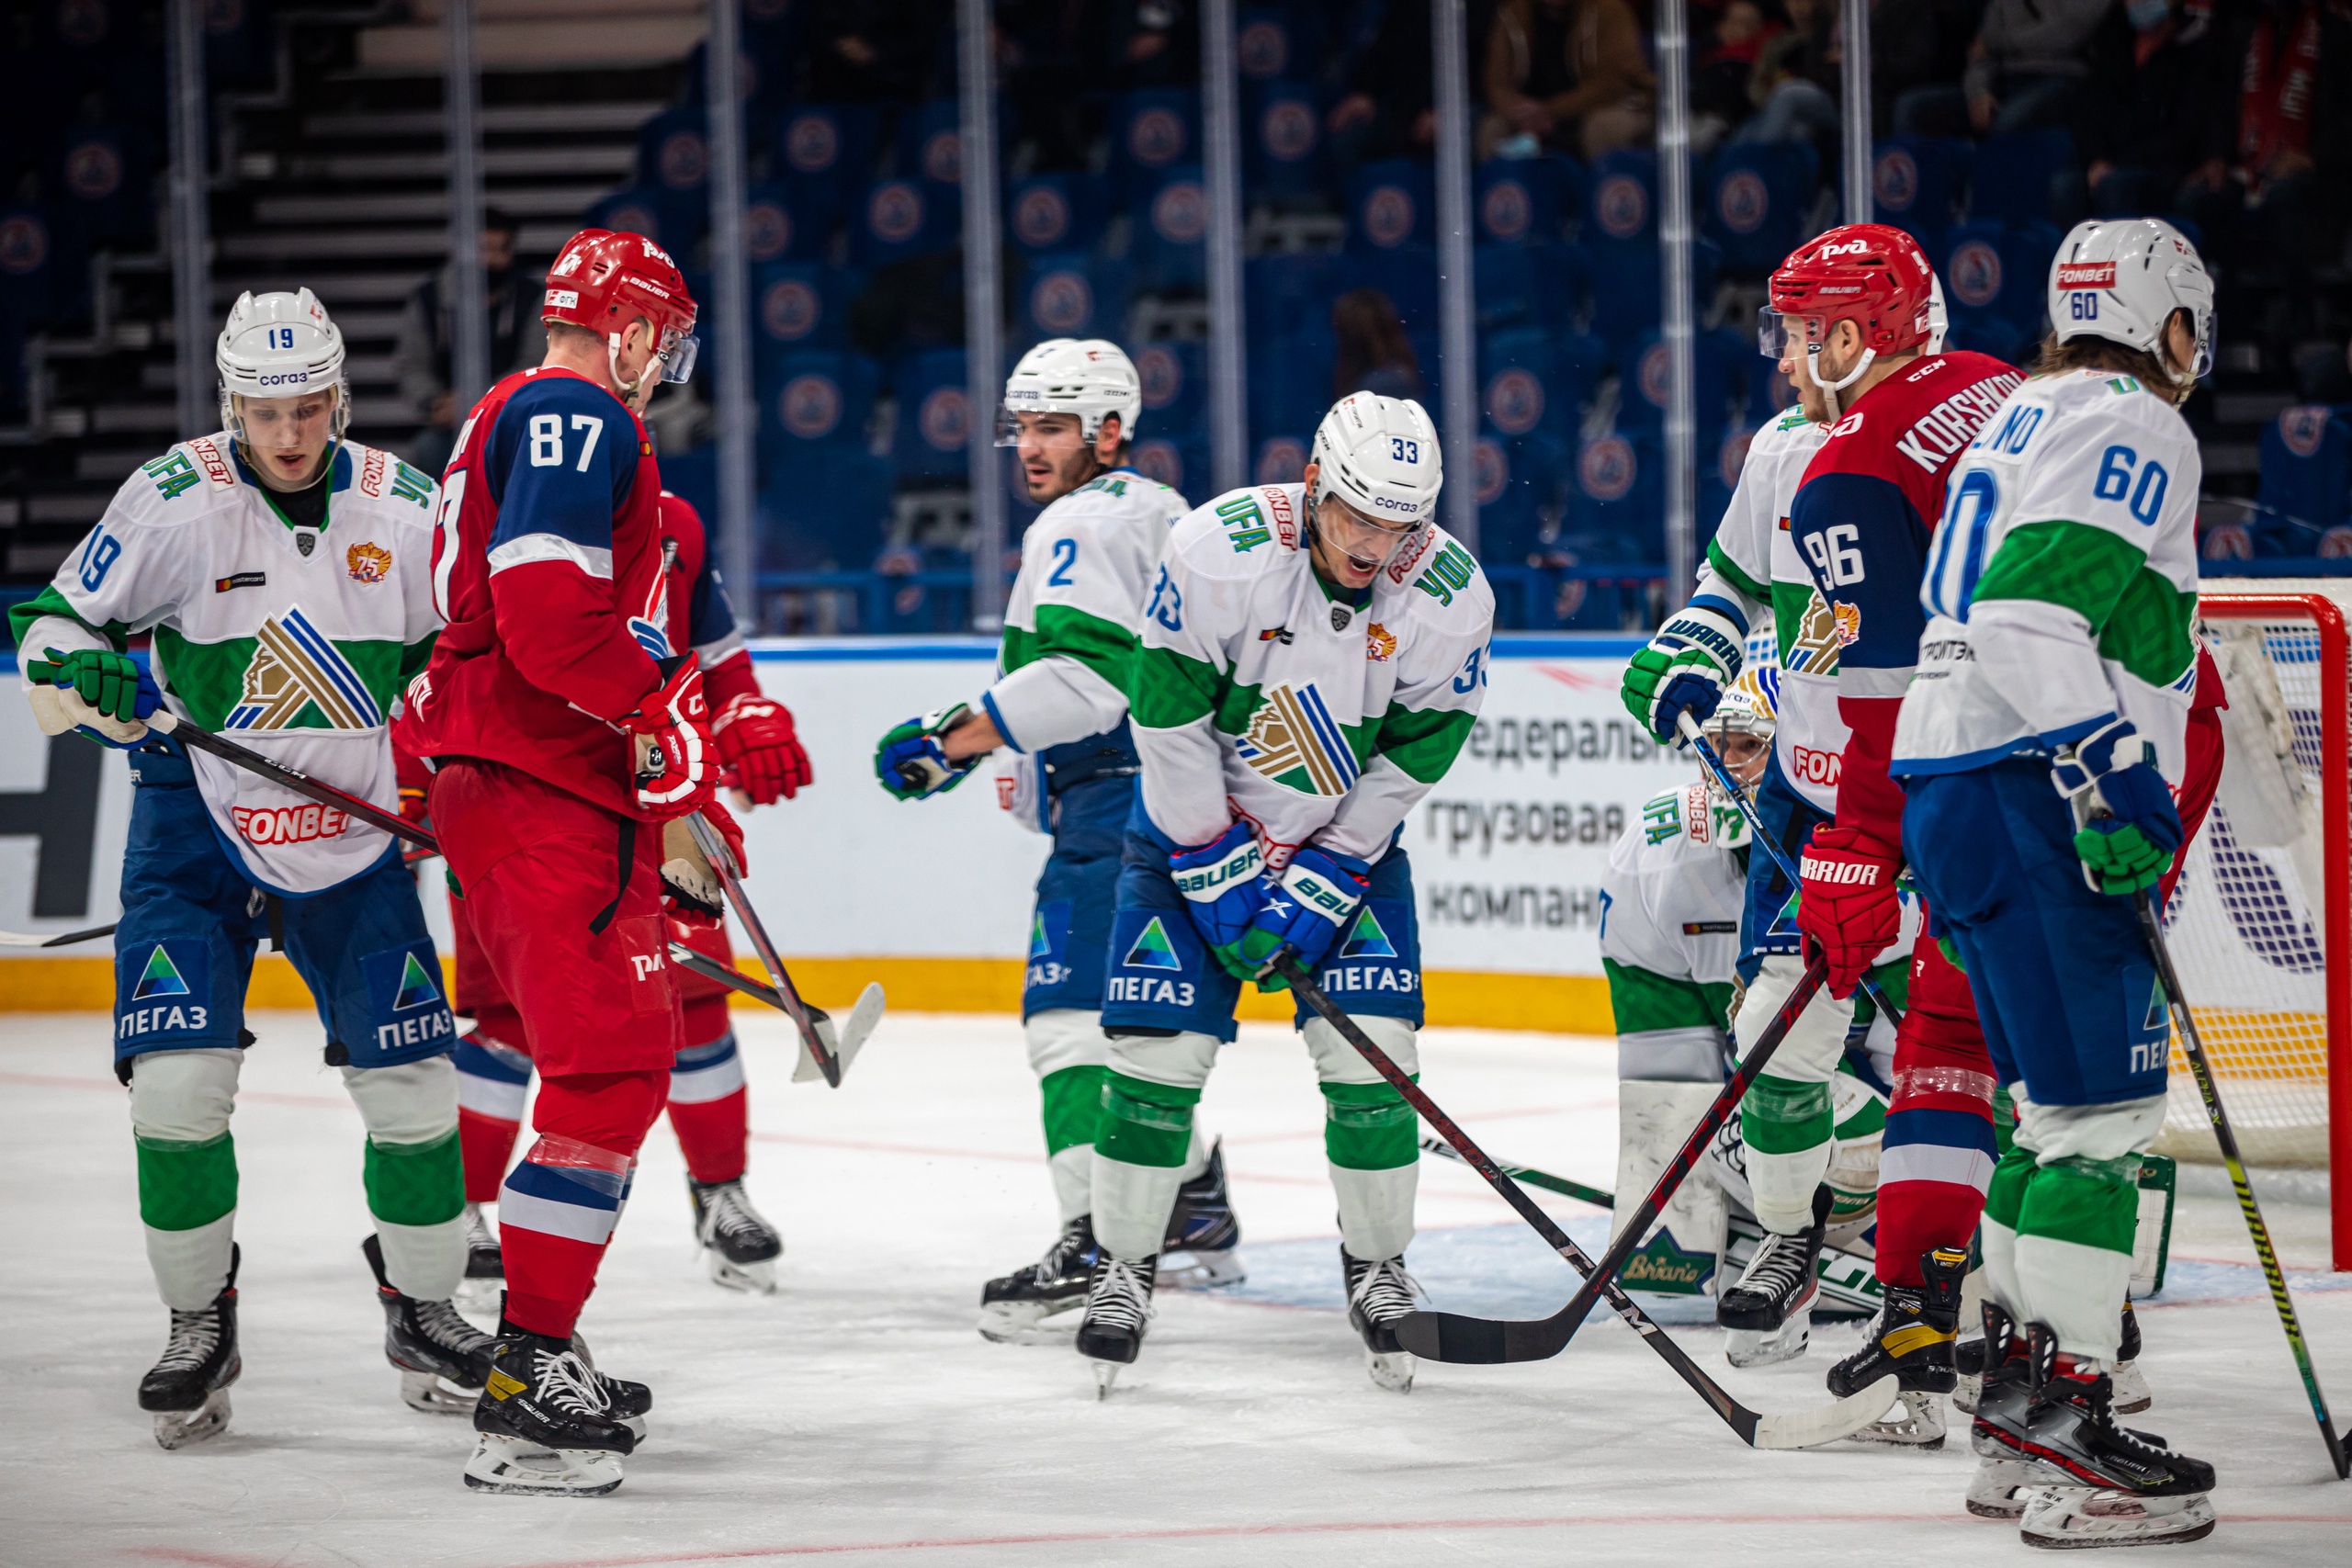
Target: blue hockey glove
911,764
1312,905
1223,886
2133,847
1684,670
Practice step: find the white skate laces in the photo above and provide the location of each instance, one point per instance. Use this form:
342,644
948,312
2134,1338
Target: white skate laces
1120,1299
566,1383
195,1336
726,1213
1384,1291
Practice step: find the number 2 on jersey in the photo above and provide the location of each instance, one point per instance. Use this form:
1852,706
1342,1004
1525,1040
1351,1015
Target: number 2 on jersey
1065,558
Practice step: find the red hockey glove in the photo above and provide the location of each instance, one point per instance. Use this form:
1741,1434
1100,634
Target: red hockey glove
671,753
1847,908
762,751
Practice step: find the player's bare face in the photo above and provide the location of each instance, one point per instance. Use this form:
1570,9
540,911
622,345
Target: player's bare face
1841,344
1745,755
285,438
1056,456
1350,548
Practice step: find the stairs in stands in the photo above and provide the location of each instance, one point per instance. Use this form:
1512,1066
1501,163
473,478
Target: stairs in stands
335,180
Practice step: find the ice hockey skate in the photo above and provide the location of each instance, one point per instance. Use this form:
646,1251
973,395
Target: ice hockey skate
1379,1295
738,1248
2132,1394
1118,1307
545,1425
188,1388
630,1402
1769,1311
1014,1305
1203,1229
485,1264
1912,1338
442,1359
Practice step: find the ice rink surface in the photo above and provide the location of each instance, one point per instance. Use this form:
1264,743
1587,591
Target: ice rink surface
855,1416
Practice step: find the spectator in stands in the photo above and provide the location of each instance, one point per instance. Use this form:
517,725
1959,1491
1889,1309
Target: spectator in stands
2157,115
1794,86
425,351
1719,79
1919,54
1387,112
1154,43
2024,70
865,51
2292,157
1049,54
1372,354
1568,74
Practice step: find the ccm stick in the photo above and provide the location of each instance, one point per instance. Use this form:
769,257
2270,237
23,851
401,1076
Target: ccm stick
1712,761
1802,1430
722,864
1450,1336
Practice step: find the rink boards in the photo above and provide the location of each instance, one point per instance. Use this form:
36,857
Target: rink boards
933,898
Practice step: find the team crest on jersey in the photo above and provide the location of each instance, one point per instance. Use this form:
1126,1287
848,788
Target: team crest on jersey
367,562
296,678
1294,741
1822,630
1379,643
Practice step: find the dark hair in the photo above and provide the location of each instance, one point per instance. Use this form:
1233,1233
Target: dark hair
1370,338
2104,353
497,219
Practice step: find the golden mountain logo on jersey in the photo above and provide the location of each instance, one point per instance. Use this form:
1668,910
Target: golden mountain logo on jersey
1379,643
1294,741
1822,630
296,671
367,563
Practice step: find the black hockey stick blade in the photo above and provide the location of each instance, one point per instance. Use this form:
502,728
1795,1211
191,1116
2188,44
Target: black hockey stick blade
1529,1174
1450,1336
64,939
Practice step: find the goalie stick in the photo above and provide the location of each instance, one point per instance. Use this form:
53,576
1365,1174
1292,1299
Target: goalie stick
2194,1049
1712,761
722,862
1450,1336
1801,1429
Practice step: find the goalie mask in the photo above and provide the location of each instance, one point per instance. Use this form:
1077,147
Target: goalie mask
278,348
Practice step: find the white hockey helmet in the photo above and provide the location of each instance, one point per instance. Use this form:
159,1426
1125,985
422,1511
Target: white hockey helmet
1380,456
1939,319
1092,378
280,345
1749,707
2122,279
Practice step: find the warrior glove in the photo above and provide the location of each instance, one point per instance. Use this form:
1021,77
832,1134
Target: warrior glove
1847,907
1684,670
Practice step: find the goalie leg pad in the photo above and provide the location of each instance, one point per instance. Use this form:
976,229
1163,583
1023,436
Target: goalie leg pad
1684,1248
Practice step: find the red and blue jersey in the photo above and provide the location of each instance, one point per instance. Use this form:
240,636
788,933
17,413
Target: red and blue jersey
547,566
1861,522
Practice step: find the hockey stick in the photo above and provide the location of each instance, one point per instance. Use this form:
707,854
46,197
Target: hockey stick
1712,761
722,862
1801,1429
1529,1175
2194,1049
169,723
33,939
845,1044
1450,1336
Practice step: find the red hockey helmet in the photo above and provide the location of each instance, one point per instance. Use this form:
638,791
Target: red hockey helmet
1868,274
604,280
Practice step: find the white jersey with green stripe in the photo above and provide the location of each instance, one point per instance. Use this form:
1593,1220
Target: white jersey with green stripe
1753,562
1070,629
2061,589
1671,904
1260,697
295,642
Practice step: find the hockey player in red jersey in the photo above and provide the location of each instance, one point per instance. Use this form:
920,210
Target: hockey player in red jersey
764,762
563,728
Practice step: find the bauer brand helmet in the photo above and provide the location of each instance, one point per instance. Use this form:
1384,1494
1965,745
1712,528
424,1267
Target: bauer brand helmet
1868,274
604,280
1092,378
2121,280
280,346
1380,456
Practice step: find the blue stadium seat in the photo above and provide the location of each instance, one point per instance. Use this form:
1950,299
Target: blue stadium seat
1519,200
1391,203
1915,186
1290,383
1622,206
1758,196
1171,226
1281,459
1407,274
2306,496
674,167
2013,175
29,274
1616,501
1175,378
1509,288
797,306
1520,481
1152,130
930,144
934,417
1181,462
100,179
1285,288
1070,294
825,510
2000,272
1054,212
831,147
1528,388
1277,44
1990,334
632,211
1642,389
897,221
786,222
1285,143
814,403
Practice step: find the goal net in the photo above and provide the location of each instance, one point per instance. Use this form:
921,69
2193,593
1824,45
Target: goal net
2259,922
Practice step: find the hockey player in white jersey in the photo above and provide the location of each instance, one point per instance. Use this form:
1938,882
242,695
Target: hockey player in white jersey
1313,657
284,572
1057,717
2039,746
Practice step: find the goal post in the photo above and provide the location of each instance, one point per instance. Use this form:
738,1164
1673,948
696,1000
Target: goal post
2261,922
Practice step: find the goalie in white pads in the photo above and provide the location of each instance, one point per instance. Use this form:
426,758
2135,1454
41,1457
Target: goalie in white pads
2040,744
285,574
1056,716
1313,657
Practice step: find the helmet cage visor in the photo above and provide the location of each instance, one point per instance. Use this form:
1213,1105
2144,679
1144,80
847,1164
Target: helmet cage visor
1783,336
1356,536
